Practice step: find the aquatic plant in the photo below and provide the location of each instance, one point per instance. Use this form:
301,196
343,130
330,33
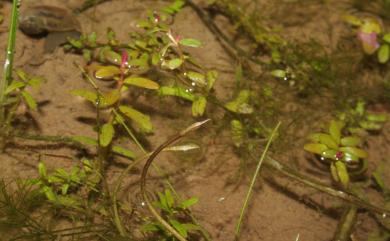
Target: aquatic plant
343,152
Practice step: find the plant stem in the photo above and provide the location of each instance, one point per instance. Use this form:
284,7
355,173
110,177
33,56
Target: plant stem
9,59
248,195
150,160
346,224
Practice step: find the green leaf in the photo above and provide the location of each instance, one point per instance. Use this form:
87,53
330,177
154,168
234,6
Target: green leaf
315,148
190,42
196,78
175,7
342,173
85,140
350,141
239,104
42,170
199,106
353,20
354,151
50,195
383,53
179,227
325,139
169,198
106,134
64,189
370,125
107,72
32,104
278,73
378,176
87,55
173,63
329,154
335,128
237,131
176,91
142,120
123,151
112,57
109,98
377,117
142,82
386,38
188,203
14,85
211,77
86,94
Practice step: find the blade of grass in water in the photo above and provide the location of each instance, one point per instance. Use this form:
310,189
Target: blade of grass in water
248,195
7,74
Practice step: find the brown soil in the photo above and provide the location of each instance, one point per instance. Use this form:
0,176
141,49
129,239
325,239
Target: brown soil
280,210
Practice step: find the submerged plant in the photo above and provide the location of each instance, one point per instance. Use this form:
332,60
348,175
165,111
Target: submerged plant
343,152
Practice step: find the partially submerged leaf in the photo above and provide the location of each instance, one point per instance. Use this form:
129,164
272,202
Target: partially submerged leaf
86,94
142,82
176,91
240,103
30,101
237,131
107,132
199,106
383,53
342,173
107,72
123,151
196,78
142,120
173,63
315,148
190,42
335,128
350,141
354,151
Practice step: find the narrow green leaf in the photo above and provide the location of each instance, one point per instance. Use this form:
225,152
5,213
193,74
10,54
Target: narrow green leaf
169,198
196,78
190,42
85,140
315,148
188,203
107,72
32,104
386,38
14,85
335,128
239,104
106,134
50,195
86,94
354,151
173,63
142,82
142,120
199,106
351,141
342,173
176,91
377,117
211,77
383,53
185,147
237,132
329,154
42,170
278,73
123,151
179,227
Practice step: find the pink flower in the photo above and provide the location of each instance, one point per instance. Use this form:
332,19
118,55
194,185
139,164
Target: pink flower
369,41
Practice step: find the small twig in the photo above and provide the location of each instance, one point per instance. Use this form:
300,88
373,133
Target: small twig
150,160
